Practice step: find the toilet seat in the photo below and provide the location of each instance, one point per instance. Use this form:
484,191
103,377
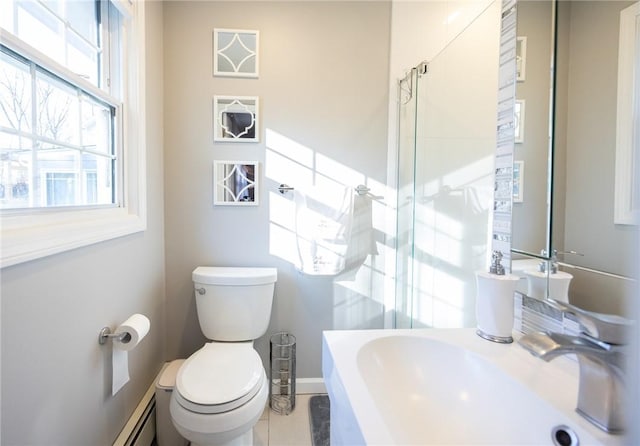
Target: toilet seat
219,377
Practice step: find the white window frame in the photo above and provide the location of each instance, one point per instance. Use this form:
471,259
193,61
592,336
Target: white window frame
32,234
628,117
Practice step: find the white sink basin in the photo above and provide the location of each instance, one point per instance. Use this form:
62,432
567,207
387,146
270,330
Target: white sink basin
439,386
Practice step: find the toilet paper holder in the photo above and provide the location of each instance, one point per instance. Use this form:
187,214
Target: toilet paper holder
106,334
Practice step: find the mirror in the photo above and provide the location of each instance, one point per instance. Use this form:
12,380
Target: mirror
531,211
574,213
235,183
235,119
235,52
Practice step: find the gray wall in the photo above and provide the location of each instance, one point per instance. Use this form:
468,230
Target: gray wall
55,377
590,156
323,85
584,148
591,140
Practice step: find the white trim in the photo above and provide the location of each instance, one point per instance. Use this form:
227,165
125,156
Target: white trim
627,137
125,7
17,45
46,237
310,386
31,235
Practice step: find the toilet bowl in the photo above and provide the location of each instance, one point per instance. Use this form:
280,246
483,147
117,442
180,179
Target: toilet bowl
220,393
222,389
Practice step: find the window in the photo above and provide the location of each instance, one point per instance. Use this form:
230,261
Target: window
47,123
50,118
71,163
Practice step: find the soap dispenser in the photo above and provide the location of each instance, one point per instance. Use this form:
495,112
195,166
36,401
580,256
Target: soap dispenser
494,301
548,281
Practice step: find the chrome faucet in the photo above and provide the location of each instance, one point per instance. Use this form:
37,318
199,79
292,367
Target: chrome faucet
602,358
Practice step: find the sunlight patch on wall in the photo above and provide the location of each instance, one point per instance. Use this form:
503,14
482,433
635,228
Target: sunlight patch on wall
283,169
470,173
322,186
338,172
323,180
289,148
282,243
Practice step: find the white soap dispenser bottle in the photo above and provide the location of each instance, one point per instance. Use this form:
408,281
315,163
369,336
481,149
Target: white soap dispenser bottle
494,302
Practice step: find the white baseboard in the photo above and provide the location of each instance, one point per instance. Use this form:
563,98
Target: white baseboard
310,385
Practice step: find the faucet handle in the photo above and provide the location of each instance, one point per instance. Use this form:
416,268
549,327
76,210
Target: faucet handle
609,328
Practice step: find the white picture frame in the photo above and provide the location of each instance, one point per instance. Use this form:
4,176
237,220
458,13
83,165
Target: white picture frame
236,183
521,58
627,164
518,181
519,120
236,119
236,52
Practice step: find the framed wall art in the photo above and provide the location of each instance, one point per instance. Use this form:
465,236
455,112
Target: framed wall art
518,181
235,119
235,183
521,58
518,123
235,52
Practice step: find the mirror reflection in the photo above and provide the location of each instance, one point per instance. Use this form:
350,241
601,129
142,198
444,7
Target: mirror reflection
235,118
569,218
531,212
235,183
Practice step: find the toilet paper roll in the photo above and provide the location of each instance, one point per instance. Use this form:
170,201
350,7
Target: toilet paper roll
120,374
135,329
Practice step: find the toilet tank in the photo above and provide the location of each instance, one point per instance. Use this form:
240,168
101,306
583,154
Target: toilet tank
234,304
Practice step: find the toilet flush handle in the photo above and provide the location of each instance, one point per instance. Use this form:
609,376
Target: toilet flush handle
201,291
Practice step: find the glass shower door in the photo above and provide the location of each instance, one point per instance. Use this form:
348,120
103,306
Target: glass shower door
405,200
445,187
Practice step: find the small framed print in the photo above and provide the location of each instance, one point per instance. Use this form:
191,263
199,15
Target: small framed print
235,52
518,120
235,119
235,183
521,58
518,181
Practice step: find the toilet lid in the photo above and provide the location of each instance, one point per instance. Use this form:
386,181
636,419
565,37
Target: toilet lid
220,373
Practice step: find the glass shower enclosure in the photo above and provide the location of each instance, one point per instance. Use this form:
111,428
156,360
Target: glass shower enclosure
446,146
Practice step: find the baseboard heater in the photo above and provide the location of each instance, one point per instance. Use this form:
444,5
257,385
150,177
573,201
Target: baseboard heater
140,430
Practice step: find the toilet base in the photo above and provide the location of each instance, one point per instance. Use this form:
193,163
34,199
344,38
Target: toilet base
245,439
233,428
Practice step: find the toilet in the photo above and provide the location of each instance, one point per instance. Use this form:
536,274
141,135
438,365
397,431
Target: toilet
222,389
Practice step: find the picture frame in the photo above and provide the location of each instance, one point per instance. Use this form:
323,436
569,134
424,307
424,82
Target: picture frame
518,181
236,119
521,58
236,52
236,183
626,203
519,120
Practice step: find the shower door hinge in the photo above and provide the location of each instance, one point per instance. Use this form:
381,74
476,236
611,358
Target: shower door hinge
423,68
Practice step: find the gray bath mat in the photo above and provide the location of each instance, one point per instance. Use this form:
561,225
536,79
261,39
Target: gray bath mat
319,419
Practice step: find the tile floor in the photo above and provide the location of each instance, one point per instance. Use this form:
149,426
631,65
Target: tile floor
284,430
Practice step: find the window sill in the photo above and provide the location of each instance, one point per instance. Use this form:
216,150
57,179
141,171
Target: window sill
25,238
